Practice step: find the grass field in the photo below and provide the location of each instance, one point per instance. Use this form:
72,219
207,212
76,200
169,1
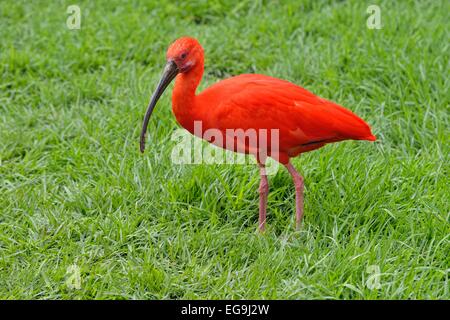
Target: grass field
84,215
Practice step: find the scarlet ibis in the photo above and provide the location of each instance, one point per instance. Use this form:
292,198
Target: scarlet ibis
304,121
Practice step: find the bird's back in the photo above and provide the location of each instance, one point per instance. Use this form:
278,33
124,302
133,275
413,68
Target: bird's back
305,121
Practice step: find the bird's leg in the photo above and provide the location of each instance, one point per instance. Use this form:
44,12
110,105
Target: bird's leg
299,185
263,193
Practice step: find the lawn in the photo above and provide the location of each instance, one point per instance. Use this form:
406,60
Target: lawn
84,215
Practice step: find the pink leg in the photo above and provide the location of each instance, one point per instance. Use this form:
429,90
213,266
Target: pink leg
299,185
263,193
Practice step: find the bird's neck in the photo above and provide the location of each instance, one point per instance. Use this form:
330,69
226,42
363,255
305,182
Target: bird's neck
183,96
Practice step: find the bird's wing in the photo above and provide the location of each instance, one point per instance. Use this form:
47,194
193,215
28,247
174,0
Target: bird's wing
262,102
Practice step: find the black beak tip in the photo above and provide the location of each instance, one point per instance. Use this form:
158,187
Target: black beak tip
142,146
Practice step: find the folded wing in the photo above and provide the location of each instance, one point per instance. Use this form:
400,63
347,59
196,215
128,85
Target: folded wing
305,121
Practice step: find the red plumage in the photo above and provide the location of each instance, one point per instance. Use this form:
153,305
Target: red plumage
303,121
253,101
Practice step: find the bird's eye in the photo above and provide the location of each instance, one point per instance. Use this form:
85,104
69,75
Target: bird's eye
184,55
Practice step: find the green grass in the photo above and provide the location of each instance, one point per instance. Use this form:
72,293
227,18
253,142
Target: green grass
74,189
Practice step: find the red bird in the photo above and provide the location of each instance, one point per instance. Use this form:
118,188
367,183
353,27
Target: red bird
254,103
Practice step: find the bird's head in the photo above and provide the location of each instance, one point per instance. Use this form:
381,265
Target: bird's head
185,52
182,56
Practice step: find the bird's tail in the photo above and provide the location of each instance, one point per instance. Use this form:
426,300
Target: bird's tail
371,137
350,126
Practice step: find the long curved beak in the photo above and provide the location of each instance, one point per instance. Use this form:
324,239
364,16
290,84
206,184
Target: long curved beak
170,72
